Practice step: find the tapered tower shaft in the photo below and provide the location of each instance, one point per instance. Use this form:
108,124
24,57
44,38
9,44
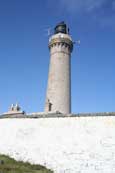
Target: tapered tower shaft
58,96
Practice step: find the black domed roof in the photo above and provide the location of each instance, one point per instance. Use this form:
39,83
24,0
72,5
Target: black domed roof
61,28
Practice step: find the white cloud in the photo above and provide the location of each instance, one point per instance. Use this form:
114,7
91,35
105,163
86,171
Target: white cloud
107,21
102,11
113,5
81,5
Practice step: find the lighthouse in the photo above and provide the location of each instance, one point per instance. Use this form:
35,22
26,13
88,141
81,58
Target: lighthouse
58,96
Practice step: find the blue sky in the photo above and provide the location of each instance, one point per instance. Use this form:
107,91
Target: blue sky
24,54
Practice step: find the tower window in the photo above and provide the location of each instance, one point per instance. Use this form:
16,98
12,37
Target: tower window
50,106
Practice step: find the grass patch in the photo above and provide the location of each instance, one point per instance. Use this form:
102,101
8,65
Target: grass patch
9,165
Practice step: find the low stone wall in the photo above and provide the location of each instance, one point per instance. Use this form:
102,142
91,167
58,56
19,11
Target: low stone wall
66,145
56,115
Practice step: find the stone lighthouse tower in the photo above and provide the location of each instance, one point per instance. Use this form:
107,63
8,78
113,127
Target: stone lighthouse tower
58,97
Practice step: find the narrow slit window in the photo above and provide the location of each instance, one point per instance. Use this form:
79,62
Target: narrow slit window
50,107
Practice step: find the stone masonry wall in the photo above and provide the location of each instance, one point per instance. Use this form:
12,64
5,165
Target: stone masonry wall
66,145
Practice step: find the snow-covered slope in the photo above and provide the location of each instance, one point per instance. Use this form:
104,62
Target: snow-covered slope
66,145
